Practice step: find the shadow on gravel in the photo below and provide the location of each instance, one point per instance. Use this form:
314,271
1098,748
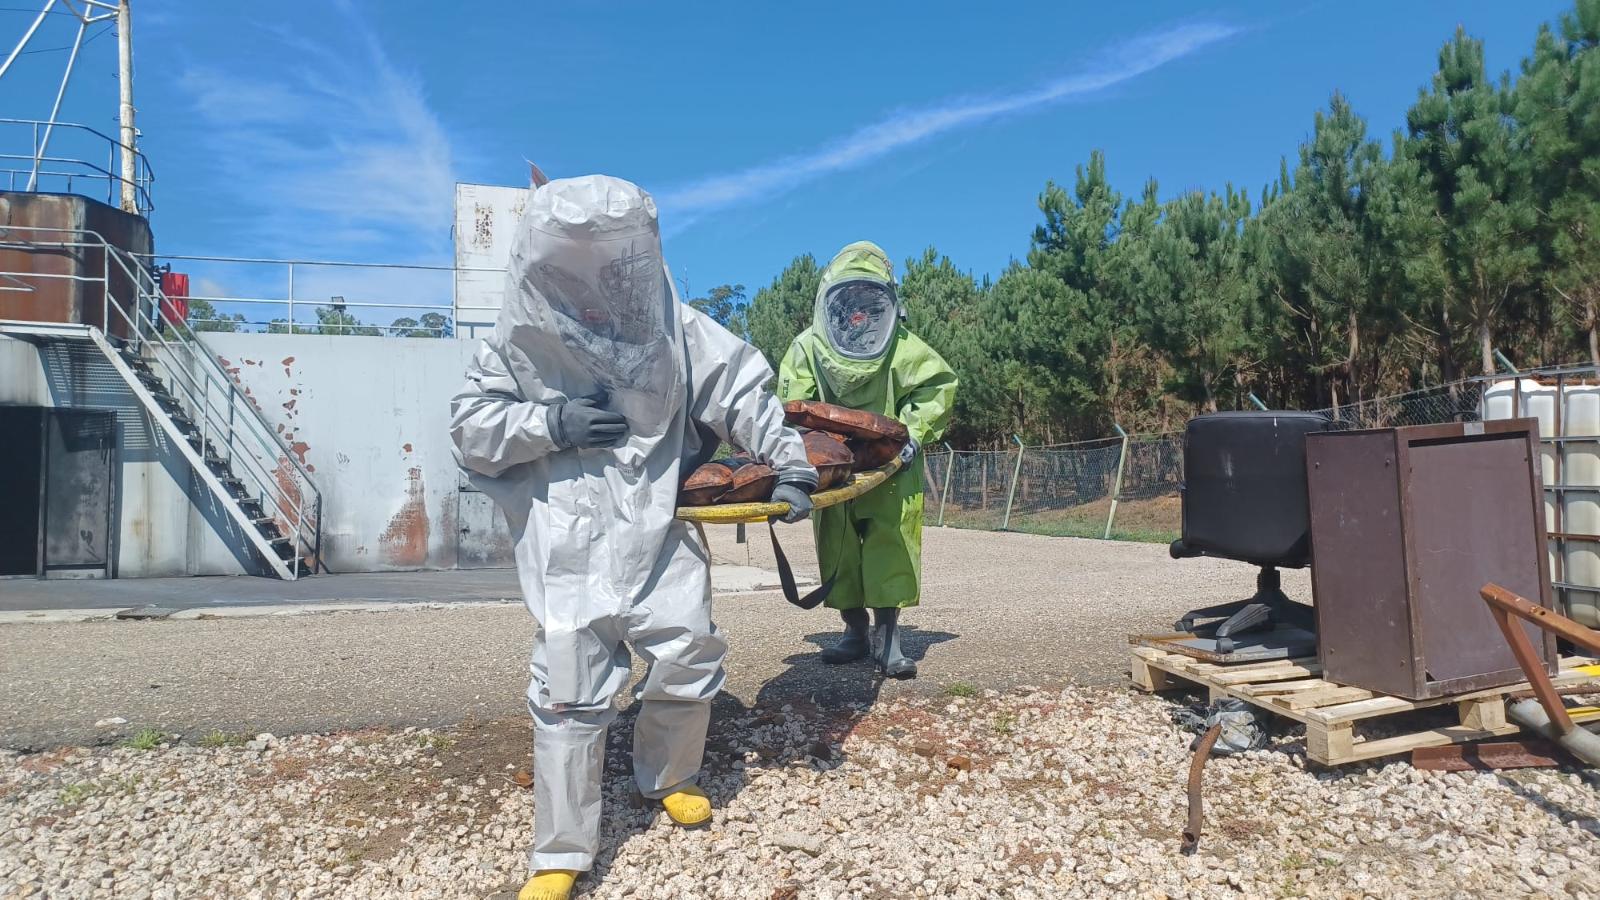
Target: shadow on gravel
824,704
1562,813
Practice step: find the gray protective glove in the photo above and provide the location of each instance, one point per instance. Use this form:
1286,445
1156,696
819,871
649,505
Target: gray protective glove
798,498
908,451
579,423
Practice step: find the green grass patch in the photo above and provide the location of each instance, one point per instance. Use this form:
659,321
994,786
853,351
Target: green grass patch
1062,527
146,739
435,742
960,689
215,739
1152,520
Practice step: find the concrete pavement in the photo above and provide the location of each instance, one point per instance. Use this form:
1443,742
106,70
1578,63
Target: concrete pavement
998,609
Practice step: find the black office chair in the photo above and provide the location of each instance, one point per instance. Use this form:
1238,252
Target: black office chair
1244,498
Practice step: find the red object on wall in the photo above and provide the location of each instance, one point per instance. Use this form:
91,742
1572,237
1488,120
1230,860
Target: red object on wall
175,287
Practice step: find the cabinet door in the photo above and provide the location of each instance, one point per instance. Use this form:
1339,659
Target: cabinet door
483,541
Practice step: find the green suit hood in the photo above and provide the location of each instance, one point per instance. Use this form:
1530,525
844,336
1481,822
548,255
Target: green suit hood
860,261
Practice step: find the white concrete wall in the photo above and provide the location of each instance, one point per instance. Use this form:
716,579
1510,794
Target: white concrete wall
370,417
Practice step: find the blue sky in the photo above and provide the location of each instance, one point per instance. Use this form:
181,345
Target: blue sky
336,131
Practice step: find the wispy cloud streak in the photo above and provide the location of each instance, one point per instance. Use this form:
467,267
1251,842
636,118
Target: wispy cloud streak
902,129
336,153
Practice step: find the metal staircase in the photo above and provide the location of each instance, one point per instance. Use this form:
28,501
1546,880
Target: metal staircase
230,446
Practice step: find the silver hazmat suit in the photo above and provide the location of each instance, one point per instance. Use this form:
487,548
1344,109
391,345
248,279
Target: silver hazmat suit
590,311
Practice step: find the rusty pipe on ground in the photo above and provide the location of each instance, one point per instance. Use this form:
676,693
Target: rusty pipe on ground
1197,765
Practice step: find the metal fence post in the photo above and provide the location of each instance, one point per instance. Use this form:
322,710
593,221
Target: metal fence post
1011,495
1501,358
1116,485
291,299
944,495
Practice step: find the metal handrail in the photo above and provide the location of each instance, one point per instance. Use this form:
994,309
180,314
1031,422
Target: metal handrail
283,501
324,262
453,308
197,390
144,174
217,375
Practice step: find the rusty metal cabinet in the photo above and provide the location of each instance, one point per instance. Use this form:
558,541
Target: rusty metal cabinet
1406,525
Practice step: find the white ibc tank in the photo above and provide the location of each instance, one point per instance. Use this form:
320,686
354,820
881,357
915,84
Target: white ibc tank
1580,512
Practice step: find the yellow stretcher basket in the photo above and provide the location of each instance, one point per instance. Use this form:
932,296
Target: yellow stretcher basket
731,513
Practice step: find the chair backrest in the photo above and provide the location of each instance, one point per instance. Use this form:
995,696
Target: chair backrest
1244,492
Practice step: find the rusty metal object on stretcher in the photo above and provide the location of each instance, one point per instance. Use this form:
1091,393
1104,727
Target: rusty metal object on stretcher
732,513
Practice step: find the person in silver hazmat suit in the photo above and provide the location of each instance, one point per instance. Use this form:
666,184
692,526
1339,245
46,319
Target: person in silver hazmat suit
596,393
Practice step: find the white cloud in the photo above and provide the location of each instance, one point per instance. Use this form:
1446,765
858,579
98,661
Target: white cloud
334,153
1118,64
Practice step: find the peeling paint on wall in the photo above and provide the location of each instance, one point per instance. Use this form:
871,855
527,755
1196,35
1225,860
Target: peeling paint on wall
342,408
405,541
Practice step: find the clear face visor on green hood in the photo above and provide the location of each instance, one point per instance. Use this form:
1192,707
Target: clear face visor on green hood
859,317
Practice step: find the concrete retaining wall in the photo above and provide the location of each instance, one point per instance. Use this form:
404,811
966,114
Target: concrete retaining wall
369,416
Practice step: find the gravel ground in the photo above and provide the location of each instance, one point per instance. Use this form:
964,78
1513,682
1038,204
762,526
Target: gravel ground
1019,793
998,610
404,752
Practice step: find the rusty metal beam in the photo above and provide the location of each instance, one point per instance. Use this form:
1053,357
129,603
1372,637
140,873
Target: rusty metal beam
1533,667
1507,607
1488,756
1499,598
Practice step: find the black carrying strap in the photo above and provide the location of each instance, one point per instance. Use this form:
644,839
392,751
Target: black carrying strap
791,593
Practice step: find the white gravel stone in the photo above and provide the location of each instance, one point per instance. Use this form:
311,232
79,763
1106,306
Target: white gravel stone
1081,796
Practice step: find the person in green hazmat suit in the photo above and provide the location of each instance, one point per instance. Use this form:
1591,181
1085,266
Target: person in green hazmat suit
858,354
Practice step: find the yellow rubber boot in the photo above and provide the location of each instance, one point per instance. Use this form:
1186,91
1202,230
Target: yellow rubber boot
554,884
689,806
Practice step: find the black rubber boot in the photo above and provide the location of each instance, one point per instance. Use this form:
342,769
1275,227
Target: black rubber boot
853,645
886,636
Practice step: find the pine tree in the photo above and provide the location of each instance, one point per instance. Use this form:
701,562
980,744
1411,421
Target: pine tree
1484,254
784,308
1558,111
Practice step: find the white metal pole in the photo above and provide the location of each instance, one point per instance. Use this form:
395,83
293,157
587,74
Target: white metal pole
42,147
1116,485
1011,495
27,36
130,171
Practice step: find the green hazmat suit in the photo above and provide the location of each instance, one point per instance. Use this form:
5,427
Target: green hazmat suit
871,546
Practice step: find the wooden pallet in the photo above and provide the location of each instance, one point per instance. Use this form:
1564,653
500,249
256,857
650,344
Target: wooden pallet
1332,713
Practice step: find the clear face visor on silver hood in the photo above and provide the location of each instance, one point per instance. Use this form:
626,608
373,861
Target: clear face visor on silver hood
859,318
620,298
611,306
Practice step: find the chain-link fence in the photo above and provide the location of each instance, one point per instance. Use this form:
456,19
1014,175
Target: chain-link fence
1459,402
1122,487
1062,489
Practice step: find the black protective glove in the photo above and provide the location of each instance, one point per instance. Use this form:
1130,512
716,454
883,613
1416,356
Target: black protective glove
798,498
579,423
908,451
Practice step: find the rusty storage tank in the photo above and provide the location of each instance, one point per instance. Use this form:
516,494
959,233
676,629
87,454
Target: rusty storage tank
54,262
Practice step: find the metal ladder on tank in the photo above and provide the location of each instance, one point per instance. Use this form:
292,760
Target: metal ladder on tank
232,449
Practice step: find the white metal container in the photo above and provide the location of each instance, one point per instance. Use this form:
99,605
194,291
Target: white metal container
1580,510
1579,404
